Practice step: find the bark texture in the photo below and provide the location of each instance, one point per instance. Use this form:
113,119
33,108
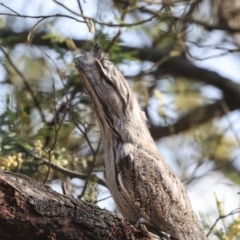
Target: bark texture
141,182
32,210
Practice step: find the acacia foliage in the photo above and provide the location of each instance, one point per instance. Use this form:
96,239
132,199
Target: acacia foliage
47,117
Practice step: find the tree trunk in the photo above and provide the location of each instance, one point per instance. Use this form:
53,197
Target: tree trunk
31,210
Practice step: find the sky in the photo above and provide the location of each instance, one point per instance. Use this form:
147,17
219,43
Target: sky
202,193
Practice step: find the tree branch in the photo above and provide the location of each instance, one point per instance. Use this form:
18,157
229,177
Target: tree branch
196,116
32,210
65,171
189,19
57,15
175,66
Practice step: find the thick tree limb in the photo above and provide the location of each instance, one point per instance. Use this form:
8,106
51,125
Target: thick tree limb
194,117
179,67
31,210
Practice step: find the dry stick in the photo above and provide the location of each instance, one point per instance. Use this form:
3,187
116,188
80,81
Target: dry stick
80,6
29,37
68,9
63,188
87,20
103,199
113,40
221,217
116,36
94,152
68,102
90,171
57,129
84,133
26,84
38,16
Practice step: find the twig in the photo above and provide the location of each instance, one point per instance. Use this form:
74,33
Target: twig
87,20
57,129
65,171
100,200
32,29
63,188
94,152
109,24
90,171
116,36
26,84
221,217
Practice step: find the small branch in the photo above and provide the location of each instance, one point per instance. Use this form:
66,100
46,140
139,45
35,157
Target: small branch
84,133
196,116
65,171
29,37
83,16
63,188
26,84
87,20
236,211
116,36
175,66
57,129
90,171
189,19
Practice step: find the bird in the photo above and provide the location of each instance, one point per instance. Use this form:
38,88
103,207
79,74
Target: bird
142,184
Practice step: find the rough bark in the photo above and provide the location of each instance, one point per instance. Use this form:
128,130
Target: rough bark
141,182
31,210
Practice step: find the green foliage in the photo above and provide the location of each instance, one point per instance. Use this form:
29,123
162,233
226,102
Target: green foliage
47,115
116,55
22,125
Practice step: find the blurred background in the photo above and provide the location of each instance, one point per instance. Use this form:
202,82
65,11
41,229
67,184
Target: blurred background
181,57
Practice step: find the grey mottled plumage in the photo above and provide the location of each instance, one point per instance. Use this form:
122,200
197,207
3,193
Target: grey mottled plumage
141,182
